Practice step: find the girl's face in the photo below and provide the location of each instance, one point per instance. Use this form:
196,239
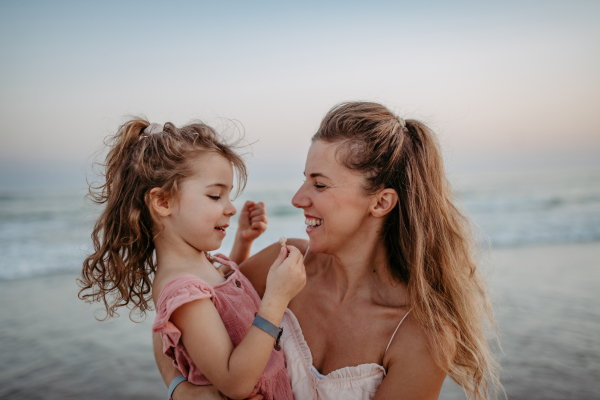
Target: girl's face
203,208
334,203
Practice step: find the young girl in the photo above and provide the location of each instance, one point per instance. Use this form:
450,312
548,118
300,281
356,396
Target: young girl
168,189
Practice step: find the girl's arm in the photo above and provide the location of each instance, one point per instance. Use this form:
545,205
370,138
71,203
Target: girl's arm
185,390
234,371
251,224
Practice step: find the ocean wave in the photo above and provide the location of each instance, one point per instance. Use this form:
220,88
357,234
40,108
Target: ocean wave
48,232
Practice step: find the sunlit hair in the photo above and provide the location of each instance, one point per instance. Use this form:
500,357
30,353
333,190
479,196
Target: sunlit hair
428,239
120,270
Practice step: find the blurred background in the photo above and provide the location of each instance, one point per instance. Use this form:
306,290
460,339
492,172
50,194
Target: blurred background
511,88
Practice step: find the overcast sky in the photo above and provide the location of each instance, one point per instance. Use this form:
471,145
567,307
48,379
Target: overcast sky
506,85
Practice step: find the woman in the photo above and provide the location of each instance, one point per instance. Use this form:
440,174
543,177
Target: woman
394,301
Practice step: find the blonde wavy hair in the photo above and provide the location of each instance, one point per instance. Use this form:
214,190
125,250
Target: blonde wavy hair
120,270
428,239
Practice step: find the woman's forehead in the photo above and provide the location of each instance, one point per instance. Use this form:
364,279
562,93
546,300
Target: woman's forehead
322,161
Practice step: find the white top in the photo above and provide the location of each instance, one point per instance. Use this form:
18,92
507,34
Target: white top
352,383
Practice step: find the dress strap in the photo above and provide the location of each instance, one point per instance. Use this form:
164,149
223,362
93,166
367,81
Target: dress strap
394,334
306,252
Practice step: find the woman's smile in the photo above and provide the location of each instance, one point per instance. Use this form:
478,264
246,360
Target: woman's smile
312,223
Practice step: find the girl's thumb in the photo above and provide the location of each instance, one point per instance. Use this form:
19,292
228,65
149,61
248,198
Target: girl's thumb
282,255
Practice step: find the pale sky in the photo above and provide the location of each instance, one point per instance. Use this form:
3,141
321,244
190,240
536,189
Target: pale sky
506,85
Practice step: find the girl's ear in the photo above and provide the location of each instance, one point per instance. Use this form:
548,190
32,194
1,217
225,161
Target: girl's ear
384,201
159,203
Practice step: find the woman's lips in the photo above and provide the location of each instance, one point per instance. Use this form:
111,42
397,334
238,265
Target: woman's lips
312,223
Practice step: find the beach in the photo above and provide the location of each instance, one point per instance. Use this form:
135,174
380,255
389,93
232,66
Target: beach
546,300
543,269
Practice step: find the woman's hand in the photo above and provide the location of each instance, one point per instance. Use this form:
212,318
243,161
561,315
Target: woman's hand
252,221
188,391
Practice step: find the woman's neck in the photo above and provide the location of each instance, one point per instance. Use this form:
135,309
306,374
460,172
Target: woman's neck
360,270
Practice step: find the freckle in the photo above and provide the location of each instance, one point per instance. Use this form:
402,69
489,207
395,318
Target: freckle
373,270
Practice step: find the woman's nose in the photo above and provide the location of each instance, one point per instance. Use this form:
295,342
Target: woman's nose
300,200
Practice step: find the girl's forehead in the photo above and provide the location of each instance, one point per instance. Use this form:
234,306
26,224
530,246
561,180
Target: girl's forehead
212,167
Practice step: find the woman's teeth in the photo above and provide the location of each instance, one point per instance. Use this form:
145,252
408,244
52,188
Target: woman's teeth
311,222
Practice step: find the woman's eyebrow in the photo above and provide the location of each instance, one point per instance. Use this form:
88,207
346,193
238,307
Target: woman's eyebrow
317,174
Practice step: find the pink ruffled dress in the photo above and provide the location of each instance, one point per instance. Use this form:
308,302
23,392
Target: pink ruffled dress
237,302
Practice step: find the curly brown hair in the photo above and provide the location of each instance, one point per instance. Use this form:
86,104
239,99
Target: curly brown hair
428,239
120,270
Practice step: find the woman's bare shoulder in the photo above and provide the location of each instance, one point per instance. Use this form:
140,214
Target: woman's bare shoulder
300,244
256,268
412,369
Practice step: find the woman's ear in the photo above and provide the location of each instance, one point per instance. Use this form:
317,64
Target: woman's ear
159,203
385,201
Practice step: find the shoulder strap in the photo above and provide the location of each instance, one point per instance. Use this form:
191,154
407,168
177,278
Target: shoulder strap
392,338
306,252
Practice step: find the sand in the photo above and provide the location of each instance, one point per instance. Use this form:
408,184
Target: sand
546,299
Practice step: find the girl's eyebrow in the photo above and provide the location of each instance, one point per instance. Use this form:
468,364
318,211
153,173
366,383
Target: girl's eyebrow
219,185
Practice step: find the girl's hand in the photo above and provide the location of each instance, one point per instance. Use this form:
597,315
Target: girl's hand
252,221
287,275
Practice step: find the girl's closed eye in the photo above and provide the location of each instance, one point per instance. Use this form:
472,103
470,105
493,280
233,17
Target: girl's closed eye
217,197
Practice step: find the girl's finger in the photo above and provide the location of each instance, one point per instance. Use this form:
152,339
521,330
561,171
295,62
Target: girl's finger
259,218
280,258
257,211
247,208
259,225
294,253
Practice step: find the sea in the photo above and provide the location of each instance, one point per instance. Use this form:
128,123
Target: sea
539,231
48,231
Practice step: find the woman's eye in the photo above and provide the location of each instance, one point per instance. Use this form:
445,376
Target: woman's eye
215,197
318,186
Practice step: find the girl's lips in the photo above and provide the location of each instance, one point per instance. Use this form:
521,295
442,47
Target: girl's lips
221,230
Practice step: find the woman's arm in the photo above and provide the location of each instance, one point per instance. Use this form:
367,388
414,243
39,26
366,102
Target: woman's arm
256,268
412,371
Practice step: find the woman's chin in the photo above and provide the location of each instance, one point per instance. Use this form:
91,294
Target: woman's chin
316,245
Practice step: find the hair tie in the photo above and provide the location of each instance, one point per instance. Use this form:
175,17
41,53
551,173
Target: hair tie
402,122
153,129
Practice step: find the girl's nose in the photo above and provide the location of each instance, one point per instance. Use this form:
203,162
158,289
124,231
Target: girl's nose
230,210
300,200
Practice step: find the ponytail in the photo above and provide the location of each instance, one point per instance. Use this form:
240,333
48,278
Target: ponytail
427,238
120,270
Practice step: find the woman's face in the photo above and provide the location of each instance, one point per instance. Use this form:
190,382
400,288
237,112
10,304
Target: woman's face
335,205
